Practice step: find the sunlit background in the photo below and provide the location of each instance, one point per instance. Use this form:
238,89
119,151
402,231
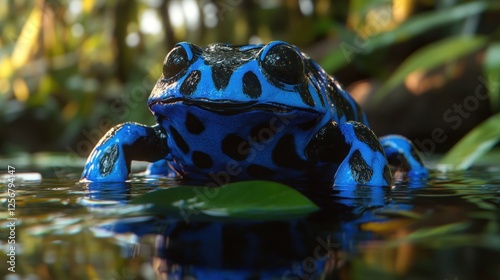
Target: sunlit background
71,69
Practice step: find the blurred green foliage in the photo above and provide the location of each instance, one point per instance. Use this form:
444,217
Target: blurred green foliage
71,69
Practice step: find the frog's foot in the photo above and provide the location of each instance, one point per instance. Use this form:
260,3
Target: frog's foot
365,164
403,155
163,168
106,163
110,160
357,151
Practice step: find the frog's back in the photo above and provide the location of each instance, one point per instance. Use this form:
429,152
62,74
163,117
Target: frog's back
337,100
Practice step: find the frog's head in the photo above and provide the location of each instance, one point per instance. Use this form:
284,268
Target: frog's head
231,79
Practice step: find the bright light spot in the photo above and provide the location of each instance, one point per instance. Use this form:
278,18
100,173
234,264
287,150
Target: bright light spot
21,90
210,11
402,9
306,7
419,81
150,22
175,14
132,39
77,30
377,20
191,13
255,40
360,91
75,7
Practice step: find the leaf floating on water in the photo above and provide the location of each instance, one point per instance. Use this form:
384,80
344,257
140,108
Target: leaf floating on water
473,145
248,199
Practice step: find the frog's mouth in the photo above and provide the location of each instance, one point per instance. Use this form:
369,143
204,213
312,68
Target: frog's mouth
231,107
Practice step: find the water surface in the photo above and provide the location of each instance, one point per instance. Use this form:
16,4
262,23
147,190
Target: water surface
448,228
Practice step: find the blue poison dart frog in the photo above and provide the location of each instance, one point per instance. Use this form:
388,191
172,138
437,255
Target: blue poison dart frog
227,112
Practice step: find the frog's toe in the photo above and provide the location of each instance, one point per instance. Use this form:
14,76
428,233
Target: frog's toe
404,156
420,173
162,167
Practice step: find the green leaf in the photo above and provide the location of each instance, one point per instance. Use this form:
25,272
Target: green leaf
429,57
248,199
421,23
474,144
492,72
353,44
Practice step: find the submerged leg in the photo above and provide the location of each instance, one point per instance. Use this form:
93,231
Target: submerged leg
401,153
110,160
366,163
162,167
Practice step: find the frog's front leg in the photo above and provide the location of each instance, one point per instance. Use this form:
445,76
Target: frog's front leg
355,148
401,153
111,158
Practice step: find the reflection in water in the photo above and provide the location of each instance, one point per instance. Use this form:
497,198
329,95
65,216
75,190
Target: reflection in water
294,249
447,229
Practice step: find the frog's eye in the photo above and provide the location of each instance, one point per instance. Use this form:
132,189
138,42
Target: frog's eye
176,62
283,62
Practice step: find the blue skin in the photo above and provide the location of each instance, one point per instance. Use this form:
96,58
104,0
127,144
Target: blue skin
229,113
